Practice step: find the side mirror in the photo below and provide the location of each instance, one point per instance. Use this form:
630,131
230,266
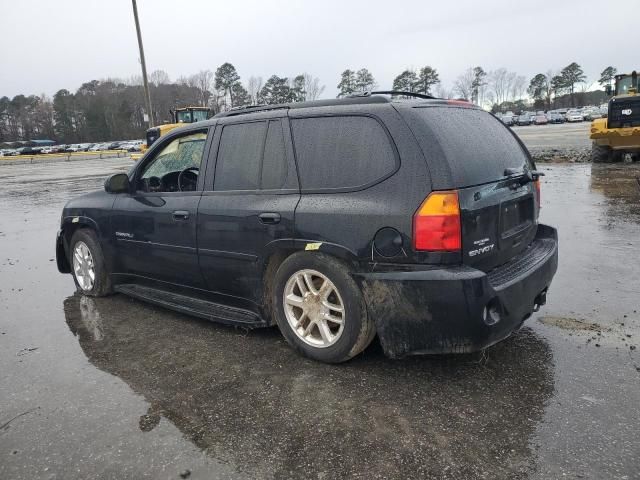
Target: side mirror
608,90
117,183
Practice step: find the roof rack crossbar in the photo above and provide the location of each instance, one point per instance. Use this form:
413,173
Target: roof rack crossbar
250,109
393,92
404,94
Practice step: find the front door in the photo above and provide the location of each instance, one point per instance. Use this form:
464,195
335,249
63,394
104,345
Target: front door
247,211
154,226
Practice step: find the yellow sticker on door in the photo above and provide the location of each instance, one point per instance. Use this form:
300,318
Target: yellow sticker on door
313,246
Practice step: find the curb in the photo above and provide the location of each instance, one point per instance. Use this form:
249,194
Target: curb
69,158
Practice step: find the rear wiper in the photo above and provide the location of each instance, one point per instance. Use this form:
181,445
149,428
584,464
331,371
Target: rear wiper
525,176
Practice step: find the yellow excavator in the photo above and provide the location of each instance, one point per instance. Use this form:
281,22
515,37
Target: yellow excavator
179,117
618,134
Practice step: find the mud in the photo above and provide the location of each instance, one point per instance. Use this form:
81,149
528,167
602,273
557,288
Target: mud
570,324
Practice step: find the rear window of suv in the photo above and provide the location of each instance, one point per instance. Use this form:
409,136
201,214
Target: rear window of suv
477,147
342,152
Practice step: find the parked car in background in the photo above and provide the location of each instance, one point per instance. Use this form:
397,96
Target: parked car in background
25,151
523,120
51,149
592,114
574,116
555,118
507,120
73,148
134,146
540,119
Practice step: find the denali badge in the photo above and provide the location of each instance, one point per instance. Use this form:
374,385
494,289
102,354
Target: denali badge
626,111
124,235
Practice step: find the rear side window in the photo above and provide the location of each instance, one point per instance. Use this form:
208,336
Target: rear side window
342,152
477,146
274,166
252,157
240,156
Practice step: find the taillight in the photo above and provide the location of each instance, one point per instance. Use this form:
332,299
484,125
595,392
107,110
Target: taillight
436,224
537,185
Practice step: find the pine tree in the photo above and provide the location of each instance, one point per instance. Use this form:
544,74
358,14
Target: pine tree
347,85
364,81
407,81
427,78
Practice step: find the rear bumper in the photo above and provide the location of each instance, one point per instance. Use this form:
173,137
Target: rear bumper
446,310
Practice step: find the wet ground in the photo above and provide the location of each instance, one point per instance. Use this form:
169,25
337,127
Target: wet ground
114,388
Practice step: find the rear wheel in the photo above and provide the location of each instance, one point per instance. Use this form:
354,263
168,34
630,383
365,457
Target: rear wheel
617,156
87,264
320,309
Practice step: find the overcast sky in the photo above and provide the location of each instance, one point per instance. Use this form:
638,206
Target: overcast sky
47,45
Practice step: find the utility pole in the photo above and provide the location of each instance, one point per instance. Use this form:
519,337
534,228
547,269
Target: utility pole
147,94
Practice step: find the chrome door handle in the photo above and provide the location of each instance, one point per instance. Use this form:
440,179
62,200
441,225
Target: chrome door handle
269,218
180,215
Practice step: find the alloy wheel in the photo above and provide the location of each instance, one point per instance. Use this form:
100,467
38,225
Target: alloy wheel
83,266
314,308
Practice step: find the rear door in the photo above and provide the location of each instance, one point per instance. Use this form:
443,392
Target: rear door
247,209
471,151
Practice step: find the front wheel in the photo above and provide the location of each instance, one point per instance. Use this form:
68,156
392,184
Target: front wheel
600,153
320,309
88,265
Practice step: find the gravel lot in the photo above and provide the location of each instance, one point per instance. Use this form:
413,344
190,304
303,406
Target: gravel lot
566,142
114,388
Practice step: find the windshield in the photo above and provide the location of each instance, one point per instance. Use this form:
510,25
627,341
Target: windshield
183,116
189,116
623,85
199,115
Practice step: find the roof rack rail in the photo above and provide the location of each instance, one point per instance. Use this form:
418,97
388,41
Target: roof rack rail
394,92
249,109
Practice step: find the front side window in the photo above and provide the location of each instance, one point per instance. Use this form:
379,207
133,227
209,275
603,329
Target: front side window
176,167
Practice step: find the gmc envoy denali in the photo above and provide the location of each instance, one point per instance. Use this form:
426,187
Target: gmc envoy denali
416,220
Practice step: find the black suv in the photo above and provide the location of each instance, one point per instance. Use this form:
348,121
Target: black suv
416,220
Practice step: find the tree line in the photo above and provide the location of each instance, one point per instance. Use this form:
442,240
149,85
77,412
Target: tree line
114,108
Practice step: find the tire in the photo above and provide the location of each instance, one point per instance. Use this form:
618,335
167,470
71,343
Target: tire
349,337
100,285
600,154
617,156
